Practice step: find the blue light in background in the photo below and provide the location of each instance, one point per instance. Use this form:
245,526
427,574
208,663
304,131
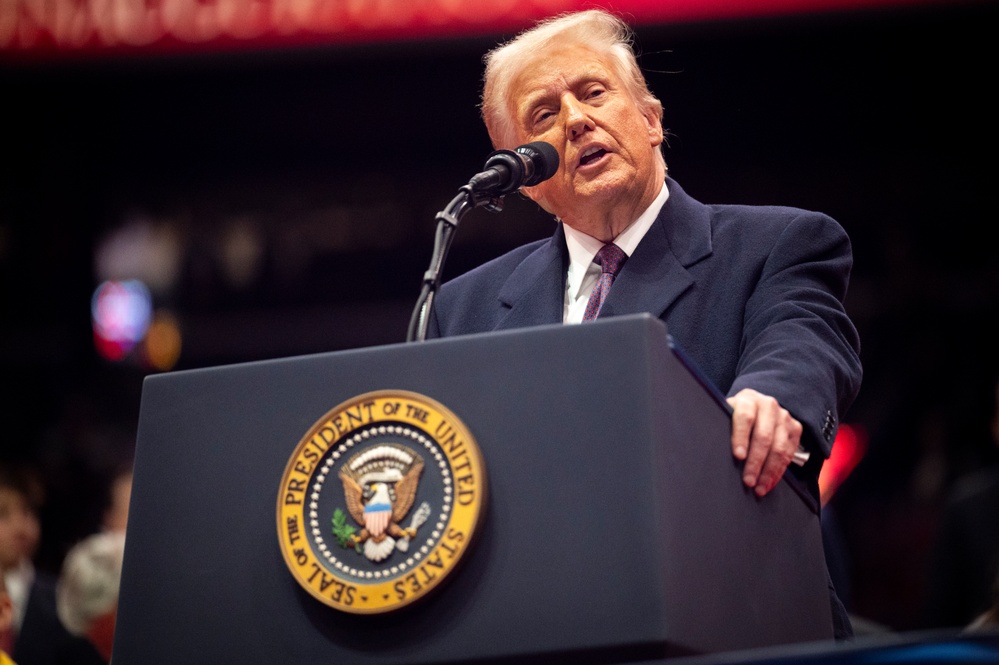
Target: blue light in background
120,314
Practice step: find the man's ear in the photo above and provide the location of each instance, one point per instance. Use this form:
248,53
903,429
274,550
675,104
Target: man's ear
655,123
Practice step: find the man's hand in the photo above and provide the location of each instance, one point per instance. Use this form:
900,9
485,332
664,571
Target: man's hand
764,435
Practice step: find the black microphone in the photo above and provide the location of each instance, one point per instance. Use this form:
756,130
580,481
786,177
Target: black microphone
508,170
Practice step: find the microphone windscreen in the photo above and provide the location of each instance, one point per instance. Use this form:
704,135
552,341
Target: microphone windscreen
544,158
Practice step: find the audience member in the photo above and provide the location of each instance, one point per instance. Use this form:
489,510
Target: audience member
988,621
87,596
966,555
36,633
119,494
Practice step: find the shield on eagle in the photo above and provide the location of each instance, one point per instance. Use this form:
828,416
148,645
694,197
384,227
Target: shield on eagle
379,486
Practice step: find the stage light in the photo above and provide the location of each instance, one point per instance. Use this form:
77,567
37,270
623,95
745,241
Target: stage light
848,449
161,348
120,315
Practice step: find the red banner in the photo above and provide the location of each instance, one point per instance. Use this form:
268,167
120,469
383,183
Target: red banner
82,26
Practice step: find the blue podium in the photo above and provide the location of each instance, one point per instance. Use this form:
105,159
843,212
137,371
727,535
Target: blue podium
616,526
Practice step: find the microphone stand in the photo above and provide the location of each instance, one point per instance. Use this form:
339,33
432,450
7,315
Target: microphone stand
447,221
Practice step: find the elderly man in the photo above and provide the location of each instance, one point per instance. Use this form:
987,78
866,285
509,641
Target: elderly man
753,294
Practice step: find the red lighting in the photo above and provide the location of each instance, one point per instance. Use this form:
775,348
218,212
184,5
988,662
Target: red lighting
848,449
125,26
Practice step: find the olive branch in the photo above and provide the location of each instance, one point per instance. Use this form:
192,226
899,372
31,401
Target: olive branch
341,529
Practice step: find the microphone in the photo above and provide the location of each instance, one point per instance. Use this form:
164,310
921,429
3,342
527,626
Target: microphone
508,170
505,171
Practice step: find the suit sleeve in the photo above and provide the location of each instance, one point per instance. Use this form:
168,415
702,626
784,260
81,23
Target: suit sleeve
798,343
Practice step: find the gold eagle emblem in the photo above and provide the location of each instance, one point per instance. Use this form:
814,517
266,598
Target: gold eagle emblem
379,486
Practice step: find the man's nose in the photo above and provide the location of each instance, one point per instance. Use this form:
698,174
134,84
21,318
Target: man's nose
577,121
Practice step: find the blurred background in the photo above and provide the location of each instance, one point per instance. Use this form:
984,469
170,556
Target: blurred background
189,184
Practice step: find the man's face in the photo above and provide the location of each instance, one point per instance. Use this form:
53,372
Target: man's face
19,529
574,99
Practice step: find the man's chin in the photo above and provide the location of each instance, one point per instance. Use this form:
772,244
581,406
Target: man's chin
605,186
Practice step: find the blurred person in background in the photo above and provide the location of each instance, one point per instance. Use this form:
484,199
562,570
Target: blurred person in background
988,621
87,591
965,564
119,494
87,597
35,634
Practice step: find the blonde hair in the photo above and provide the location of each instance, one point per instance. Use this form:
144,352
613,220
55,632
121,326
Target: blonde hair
595,29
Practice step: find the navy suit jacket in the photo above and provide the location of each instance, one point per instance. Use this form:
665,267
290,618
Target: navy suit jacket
752,294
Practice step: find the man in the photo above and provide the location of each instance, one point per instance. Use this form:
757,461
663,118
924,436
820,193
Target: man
87,596
964,573
119,494
753,294
35,632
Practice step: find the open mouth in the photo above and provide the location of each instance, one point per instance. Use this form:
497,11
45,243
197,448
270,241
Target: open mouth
591,155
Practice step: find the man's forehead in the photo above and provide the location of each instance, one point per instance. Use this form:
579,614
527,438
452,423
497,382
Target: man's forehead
555,69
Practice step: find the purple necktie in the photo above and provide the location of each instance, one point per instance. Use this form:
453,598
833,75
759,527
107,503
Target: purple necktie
610,258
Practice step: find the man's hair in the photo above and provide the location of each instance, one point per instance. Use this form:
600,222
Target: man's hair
24,481
595,29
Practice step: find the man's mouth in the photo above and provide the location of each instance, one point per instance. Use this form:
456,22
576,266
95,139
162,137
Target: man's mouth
591,155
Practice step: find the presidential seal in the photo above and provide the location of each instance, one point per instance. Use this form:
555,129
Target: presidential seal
380,501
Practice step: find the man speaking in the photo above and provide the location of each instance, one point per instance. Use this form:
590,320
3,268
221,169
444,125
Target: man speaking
754,295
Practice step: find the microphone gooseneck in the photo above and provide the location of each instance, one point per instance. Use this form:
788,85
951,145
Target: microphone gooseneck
505,172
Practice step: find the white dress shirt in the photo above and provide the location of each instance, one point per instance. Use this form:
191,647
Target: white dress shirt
18,581
583,272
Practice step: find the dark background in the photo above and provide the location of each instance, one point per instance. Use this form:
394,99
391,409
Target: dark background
338,159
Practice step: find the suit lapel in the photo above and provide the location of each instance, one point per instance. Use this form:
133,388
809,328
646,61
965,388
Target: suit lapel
534,292
656,273
651,280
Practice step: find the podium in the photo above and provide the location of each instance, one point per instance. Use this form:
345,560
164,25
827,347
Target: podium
616,526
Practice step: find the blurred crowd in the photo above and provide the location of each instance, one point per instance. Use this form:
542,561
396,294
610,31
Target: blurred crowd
917,523
66,617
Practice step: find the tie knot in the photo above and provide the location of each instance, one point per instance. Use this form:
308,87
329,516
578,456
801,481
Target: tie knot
610,258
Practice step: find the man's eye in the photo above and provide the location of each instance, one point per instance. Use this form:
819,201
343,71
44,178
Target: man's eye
541,116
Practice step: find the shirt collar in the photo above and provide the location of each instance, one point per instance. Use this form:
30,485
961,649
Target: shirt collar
583,247
18,581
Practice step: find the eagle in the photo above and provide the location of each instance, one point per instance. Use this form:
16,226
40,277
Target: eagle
379,500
